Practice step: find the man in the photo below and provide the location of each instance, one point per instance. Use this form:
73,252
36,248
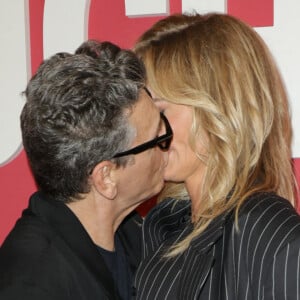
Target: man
90,131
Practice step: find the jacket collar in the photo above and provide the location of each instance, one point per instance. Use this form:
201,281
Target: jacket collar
181,210
211,234
65,224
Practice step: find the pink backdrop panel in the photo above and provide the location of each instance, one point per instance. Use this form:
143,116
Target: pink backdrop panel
257,13
107,21
16,179
17,185
36,12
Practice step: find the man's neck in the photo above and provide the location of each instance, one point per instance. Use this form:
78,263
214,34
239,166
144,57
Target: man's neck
98,219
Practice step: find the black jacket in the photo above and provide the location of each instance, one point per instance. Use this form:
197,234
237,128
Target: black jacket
258,260
49,255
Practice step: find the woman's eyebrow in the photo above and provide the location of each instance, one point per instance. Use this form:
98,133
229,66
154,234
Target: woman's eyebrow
150,95
148,92
160,125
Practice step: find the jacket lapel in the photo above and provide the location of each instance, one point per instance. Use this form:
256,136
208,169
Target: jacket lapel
199,259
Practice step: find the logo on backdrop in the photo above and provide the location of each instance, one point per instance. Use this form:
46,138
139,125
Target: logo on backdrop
120,21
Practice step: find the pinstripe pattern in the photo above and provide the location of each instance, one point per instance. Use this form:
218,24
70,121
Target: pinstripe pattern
260,260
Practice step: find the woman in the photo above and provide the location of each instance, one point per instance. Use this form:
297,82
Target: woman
235,233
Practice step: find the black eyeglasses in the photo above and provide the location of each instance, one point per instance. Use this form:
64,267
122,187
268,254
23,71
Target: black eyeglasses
163,142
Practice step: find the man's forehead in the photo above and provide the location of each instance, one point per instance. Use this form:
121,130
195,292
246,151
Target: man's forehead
145,116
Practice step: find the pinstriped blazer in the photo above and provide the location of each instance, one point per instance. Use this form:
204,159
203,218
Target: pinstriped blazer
259,260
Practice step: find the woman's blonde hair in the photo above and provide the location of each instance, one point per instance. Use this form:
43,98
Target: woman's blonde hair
220,67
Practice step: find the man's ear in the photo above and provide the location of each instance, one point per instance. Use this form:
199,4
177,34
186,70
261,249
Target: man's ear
103,181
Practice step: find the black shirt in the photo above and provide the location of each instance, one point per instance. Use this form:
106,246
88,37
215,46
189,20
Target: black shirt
118,265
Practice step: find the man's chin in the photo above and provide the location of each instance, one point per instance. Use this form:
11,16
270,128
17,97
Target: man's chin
155,191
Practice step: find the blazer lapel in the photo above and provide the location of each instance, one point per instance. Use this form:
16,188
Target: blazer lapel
197,268
199,259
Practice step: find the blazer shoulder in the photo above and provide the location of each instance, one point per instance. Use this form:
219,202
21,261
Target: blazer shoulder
27,256
267,222
270,207
30,236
